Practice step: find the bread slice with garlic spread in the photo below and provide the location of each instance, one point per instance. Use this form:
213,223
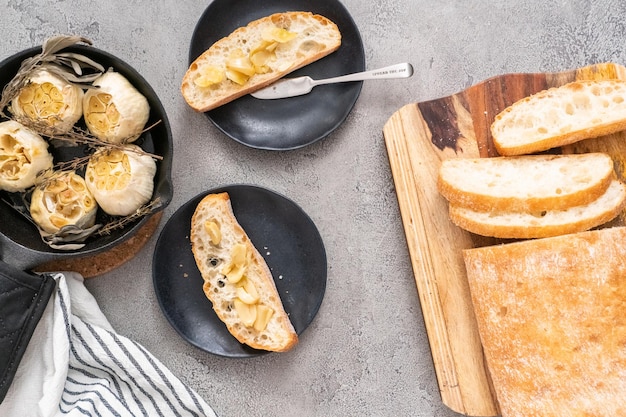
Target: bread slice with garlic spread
256,55
237,280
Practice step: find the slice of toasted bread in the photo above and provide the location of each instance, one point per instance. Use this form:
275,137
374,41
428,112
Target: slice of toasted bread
561,115
526,225
552,320
237,279
315,37
525,183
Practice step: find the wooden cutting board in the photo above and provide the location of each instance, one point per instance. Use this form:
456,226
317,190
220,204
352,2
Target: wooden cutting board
418,136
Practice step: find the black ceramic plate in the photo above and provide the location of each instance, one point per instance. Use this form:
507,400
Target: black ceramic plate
292,122
24,246
283,234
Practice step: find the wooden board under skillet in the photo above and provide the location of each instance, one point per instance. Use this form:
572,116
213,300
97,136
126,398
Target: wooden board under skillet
418,136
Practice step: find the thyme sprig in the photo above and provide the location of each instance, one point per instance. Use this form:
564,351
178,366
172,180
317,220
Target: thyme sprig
78,136
121,222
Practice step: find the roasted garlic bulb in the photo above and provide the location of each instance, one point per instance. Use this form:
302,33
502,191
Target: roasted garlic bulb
61,200
115,111
121,180
23,154
51,100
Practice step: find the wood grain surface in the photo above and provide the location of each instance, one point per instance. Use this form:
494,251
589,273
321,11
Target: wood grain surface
418,136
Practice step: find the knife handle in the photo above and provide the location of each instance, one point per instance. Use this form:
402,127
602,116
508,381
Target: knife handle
404,70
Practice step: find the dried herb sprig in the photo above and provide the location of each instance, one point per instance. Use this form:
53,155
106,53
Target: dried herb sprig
70,237
77,136
67,65
123,221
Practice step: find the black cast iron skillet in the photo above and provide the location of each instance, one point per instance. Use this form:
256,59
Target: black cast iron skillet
20,243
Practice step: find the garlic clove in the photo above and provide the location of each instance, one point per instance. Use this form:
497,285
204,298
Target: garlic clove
246,291
241,64
115,111
51,100
278,34
214,232
23,154
210,76
236,77
121,180
246,312
63,199
238,254
239,68
263,317
235,273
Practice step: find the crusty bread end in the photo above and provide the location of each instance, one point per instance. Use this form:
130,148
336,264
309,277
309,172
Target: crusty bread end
316,37
215,237
551,317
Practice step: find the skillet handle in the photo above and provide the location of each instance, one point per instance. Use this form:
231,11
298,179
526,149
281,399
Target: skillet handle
21,257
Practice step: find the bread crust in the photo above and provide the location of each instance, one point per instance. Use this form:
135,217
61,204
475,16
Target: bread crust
279,335
560,116
552,319
320,38
507,225
527,183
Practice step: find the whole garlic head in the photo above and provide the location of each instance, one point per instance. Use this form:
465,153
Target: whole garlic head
121,180
63,199
23,154
50,99
115,111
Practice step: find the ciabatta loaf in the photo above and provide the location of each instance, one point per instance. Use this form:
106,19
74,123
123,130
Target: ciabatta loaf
552,320
526,225
256,55
237,279
527,183
561,115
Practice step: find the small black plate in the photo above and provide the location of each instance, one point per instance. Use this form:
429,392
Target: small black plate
294,122
284,235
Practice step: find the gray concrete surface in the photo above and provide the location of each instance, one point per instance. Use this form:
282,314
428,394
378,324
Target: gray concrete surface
366,352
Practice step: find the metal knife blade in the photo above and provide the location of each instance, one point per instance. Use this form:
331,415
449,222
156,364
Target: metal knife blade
291,87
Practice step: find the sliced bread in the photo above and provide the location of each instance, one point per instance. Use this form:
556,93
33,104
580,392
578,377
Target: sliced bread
526,225
237,280
525,183
256,55
561,115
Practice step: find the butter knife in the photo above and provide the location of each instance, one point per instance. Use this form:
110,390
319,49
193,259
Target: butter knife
291,87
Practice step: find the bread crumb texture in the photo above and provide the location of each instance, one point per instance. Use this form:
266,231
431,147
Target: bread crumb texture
561,115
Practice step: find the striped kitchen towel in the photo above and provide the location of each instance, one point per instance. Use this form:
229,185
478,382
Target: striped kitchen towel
77,365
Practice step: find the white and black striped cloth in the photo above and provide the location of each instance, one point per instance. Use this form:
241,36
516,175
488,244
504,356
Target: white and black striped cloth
77,365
